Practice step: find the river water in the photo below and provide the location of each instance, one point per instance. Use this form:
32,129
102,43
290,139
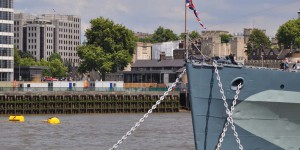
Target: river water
163,131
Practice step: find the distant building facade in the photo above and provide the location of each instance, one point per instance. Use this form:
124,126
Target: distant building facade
46,34
166,47
211,44
6,40
141,35
143,51
238,47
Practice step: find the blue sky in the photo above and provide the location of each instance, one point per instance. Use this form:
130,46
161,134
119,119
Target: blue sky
147,15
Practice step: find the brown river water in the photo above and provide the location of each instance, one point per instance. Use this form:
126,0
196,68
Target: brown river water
163,131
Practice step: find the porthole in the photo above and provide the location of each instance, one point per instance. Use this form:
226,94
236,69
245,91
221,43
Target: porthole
235,82
281,86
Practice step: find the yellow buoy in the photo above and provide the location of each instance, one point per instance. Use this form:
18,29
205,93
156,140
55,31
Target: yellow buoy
53,120
17,118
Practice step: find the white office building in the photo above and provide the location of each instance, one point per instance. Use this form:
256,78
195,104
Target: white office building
46,34
6,40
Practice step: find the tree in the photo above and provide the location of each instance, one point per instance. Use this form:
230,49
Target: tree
257,40
163,35
27,62
25,55
57,68
46,72
288,34
194,35
55,56
147,39
109,47
68,64
17,57
55,65
225,38
94,58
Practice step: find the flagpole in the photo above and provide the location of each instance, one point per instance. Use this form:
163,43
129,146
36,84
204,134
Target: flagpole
184,16
185,41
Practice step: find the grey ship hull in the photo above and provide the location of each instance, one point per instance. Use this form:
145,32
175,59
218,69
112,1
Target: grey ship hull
267,116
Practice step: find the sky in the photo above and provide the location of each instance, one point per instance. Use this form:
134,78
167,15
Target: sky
147,15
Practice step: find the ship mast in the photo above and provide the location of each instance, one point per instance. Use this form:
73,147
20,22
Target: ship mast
185,32
184,16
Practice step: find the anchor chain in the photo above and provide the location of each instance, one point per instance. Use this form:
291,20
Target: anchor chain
228,112
137,124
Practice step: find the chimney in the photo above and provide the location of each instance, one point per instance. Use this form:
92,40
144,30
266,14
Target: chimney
299,13
181,45
162,56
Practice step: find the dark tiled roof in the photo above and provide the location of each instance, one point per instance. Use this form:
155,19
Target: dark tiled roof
283,53
157,63
180,70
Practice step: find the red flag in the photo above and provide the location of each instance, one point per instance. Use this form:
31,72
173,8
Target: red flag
190,4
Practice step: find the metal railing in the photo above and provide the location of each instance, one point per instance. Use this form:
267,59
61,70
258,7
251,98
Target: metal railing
55,89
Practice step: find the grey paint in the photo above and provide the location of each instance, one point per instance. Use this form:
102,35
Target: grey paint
264,121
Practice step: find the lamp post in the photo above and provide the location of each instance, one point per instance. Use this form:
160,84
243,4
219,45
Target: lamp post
262,60
20,78
261,55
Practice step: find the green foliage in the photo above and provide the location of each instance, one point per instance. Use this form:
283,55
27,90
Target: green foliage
43,62
57,68
90,54
68,65
23,59
225,38
194,35
145,39
109,46
288,34
110,36
163,35
25,55
182,36
94,58
27,62
55,56
17,57
46,72
257,40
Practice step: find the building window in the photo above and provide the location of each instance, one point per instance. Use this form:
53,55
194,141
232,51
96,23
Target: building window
6,52
6,15
6,4
6,28
6,39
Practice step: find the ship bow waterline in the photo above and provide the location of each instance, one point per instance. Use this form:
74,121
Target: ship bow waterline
266,115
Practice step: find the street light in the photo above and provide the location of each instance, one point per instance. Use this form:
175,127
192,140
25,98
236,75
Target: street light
262,60
261,55
20,78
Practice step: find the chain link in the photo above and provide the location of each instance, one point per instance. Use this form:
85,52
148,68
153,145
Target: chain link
228,112
149,112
